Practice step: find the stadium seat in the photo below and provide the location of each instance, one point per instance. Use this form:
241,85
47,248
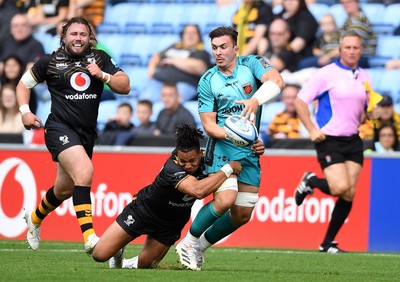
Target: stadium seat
222,17
137,77
338,13
388,48
374,12
107,109
143,18
116,44
375,74
318,10
44,38
157,107
170,19
120,14
269,111
388,84
43,110
389,20
192,106
142,45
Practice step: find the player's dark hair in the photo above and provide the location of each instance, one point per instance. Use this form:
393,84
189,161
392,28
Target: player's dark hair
188,138
224,30
79,20
146,102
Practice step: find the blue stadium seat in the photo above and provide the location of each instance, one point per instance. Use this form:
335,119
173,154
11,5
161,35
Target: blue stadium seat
141,20
115,43
44,38
192,106
107,109
388,84
157,107
374,12
120,14
269,111
388,48
318,10
137,77
338,13
375,74
170,19
43,110
200,14
142,45
391,15
222,16
389,21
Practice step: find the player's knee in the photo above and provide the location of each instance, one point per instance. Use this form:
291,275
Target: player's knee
340,189
97,256
246,199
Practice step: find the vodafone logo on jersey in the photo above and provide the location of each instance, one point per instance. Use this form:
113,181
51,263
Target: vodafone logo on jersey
17,191
80,81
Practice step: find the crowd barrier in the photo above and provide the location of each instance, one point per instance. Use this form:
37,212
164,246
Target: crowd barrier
373,225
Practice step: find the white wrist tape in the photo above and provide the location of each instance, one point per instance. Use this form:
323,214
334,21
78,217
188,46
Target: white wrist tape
227,169
104,75
268,91
24,109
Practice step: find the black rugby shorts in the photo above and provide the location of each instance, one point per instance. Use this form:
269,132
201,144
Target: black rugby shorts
338,149
59,137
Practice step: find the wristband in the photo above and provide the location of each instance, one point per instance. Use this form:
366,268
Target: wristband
24,109
104,75
268,91
227,169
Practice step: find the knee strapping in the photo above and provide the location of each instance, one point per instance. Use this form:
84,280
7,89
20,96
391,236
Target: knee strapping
246,199
229,184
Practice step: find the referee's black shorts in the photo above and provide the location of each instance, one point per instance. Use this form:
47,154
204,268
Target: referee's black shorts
135,225
338,149
59,137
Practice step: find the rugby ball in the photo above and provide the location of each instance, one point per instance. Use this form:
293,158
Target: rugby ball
239,132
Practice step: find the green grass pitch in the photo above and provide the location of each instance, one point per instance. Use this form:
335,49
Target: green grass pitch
61,261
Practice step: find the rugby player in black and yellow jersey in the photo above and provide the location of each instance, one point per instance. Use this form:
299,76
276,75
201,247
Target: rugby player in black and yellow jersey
75,74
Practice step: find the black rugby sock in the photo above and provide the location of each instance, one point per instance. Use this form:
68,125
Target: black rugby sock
339,214
48,204
320,183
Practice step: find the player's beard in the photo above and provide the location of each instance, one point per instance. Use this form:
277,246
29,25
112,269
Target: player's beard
73,50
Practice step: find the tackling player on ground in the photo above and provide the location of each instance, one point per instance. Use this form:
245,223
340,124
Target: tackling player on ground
236,85
75,75
161,209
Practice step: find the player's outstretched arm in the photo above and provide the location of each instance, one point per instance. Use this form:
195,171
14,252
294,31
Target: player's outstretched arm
204,187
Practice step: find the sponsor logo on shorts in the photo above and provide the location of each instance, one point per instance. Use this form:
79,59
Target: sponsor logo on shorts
328,159
64,139
130,220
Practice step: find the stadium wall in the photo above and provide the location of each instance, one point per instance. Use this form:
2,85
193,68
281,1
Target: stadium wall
373,225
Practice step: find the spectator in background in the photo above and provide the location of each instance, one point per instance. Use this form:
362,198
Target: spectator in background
279,53
7,11
144,111
358,21
387,139
366,128
251,21
10,118
181,63
21,42
91,10
45,16
287,124
174,113
118,130
13,69
325,49
303,26
386,115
